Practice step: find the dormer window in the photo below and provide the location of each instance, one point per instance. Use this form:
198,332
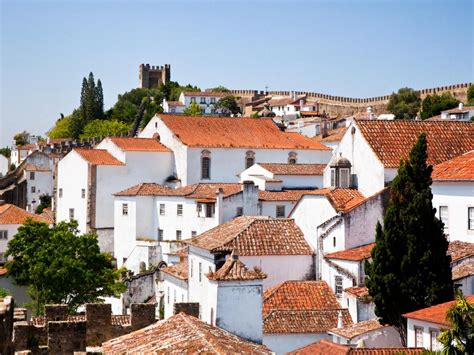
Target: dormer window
292,158
340,172
249,159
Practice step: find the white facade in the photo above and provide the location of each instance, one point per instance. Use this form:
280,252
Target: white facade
173,107
4,165
205,100
360,309
454,203
423,334
284,343
176,290
384,337
460,113
7,231
39,183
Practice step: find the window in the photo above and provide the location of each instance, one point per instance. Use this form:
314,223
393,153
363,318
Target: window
71,213
160,235
174,296
173,110
179,210
213,100
83,193
344,178
60,193
168,295
240,211
33,189
292,157
162,209
280,211
205,164
124,209
4,235
338,286
443,216
178,235
200,272
32,175
334,242
249,159
434,342
203,100
210,210
470,218
191,269
193,234
418,337
156,124
2,258
333,177
193,99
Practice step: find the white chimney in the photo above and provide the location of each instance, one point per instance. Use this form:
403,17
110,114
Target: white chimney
461,106
339,320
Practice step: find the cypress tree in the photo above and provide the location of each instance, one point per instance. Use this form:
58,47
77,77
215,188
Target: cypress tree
90,105
410,268
99,101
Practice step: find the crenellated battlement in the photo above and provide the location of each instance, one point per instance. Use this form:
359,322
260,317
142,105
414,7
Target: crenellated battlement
154,75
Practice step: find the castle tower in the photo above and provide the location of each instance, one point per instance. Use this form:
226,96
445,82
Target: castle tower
152,76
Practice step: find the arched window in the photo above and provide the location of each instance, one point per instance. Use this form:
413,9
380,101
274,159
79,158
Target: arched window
292,158
205,164
249,159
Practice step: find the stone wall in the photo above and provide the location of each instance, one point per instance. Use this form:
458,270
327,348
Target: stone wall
190,308
6,325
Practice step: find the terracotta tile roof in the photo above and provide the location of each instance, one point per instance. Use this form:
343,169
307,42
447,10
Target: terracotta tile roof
285,101
299,295
460,250
11,214
393,140
460,168
182,252
235,270
294,169
254,235
27,147
175,103
179,270
48,214
32,167
182,334
435,314
355,254
98,156
303,321
344,200
139,144
353,330
334,135
195,191
207,94
458,110
463,270
361,292
233,132
326,347
288,194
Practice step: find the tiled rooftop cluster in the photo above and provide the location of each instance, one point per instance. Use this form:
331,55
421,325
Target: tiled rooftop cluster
460,168
235,270
11,214
294,169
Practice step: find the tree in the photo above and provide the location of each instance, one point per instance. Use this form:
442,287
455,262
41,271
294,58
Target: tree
470,95
4,292
228,105
60,266
104,128
6,152
410,268
193,110
219,88
405,104
21,138
434,105
62,129
45,202
99,101
460,338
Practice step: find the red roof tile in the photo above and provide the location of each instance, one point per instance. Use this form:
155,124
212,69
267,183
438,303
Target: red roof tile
326,347
393,140
460,168
235,270
435,314
11,214
294,169
353,330
182,334
175,103
299,295
139,144
463,270
32,167
361,292
458,110
288,194
334,135
207,93
98,156
252,235
232,132
303,321
354,254
460,250
179,270
344,200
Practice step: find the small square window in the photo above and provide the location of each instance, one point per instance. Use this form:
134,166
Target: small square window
162,209
124,209
280,212
4,235
240,211
178,235
32,175
60,193
83,193
33,189
179,210
470,218
338,286
200,272
193,234
71,213
160,235
444,217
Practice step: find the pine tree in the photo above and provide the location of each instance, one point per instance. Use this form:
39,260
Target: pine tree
90,104
410,268
99,101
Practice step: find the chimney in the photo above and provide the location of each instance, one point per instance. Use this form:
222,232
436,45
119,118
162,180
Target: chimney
339,320
324,126
249,198
461,106
219,213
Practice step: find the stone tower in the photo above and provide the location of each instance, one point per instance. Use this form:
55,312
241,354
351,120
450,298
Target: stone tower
152,76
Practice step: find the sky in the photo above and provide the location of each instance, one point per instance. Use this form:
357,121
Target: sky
346,48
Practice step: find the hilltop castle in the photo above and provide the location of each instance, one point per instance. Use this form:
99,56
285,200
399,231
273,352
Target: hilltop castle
152,76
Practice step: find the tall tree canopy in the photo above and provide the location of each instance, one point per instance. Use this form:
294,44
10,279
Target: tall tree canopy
21,138
60,266
470,95
193,109
434,105
228,105
410,268
404,104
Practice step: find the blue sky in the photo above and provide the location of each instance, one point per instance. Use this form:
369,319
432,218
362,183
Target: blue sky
350,48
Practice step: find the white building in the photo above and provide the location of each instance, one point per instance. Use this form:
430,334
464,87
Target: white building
4,165
87,179
453,196
460,113
374,148
425,325
462,265
39,183
290,107
11,218
217,149
205,99
367,334
175,285
173,107
19,153
332,138
298,313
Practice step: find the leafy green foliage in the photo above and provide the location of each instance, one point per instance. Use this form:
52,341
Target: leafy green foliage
60,266
21,138
6,152
434,105
228,105
405,104
45,202
470,95
172,90
193,110
459,339
410,269
104,128
4,292
219,88
62,129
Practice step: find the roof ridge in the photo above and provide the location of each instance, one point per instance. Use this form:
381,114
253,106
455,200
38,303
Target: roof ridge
199,333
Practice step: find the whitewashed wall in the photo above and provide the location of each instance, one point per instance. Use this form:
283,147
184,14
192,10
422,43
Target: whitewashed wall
4,165
268,208
386,337
427,326
284,343
176,290
43,184
11,231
